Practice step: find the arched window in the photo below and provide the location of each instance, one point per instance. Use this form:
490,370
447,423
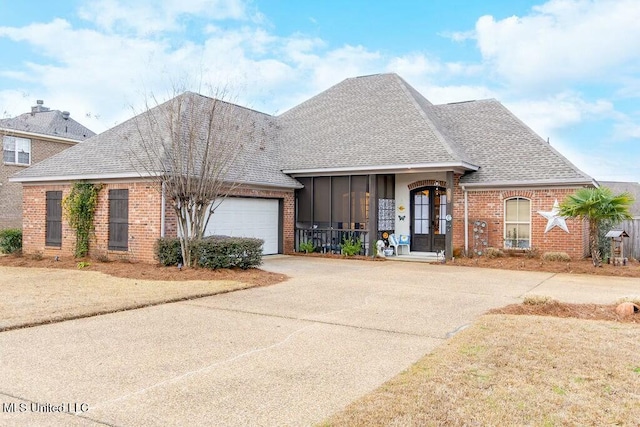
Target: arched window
517,223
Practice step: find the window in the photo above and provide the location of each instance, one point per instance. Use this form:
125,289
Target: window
322,201
386,202
517,223
53,230
340,202
359,201
118,220
16,150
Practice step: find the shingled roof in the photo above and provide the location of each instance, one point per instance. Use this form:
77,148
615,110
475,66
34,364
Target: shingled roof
365,124
48,122
120,152
506,149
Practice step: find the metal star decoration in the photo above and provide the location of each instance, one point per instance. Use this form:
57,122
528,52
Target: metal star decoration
553,219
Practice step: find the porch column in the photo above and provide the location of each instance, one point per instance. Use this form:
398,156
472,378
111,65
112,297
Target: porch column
448,241
373,214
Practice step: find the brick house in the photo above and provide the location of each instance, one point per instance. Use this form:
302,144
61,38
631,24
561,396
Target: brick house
368,157
28,139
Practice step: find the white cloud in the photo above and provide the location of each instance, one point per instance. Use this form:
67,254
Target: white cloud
146,17
546,116
563,40
457,93
627,129
414,65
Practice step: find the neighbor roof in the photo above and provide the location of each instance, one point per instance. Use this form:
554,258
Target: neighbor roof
632,188
120,153
49,122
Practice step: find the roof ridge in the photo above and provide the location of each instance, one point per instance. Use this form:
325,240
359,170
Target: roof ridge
556,152
454,149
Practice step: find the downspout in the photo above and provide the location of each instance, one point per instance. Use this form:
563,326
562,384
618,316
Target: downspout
162,210
466,221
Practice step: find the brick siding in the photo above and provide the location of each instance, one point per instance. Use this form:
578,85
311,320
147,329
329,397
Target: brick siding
144,220
11,192
488,205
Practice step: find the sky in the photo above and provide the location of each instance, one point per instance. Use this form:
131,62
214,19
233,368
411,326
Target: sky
569,69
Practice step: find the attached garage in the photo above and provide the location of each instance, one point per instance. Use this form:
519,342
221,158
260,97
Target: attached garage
248,217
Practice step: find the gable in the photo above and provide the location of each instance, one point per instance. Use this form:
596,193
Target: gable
370,121
506,149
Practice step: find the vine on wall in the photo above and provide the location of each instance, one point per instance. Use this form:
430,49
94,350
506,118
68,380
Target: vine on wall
79,209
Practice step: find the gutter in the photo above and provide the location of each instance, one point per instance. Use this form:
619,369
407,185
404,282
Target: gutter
163,209
531,184
466,220
131,175
398,168
42,136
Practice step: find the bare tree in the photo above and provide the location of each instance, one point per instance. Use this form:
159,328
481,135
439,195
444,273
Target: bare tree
194,145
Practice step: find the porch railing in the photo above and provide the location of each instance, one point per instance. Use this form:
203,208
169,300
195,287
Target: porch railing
330,240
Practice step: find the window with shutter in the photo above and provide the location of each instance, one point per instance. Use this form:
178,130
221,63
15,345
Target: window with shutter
53,229
119,220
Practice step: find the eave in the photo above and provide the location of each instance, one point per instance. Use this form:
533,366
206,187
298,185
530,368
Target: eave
45,136
459,167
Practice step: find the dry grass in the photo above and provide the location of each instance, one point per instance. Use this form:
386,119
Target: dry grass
515,370
32,296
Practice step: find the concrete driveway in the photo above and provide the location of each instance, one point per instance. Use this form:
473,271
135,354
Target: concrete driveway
289,354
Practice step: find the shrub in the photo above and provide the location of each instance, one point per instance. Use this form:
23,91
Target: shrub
538,300
10,240
532,253
228,252
351,247
307,247
556,256
168,251
493,253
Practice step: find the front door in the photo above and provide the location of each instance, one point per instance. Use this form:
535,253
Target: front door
428,224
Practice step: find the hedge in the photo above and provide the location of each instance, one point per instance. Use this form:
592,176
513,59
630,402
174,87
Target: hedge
10,240
213,252
168,251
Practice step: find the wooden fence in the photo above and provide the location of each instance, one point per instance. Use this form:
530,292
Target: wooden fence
632,243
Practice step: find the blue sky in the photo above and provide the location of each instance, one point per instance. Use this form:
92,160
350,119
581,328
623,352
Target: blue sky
570,69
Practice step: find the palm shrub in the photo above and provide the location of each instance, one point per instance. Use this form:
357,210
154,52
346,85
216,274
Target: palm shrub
596,205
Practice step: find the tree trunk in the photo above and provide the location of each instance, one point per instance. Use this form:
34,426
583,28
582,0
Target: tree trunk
593,243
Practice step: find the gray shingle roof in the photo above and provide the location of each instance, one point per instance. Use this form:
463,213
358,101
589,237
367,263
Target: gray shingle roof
506,149
632,188
50,122
365,121
374,122
120,151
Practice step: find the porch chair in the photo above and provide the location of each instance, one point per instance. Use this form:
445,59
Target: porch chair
397,242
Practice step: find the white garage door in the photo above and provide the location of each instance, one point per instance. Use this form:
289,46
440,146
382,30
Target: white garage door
243,217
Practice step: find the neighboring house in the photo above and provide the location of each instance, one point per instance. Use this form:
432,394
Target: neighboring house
631,226
27,140
368,157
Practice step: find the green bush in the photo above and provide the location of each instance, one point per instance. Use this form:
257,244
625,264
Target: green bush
228,252
351,247
10,240
168,251
307,247
213,252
